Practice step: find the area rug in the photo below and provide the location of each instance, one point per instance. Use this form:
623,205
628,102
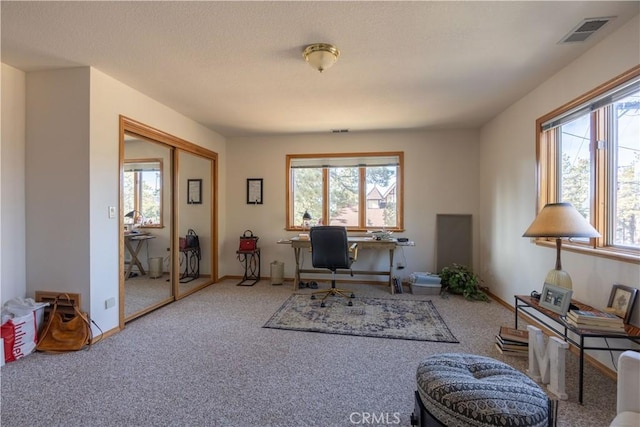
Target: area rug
368,317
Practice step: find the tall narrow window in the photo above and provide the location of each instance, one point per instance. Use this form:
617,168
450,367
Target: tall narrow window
589,155
142,193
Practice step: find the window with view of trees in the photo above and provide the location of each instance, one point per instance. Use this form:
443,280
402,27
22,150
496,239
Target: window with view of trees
142,192
359,191
589,155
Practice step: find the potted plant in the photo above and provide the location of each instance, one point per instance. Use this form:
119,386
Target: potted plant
458,279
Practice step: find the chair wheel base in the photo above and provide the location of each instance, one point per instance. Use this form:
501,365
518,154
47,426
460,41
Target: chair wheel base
350,303
322,305
313,297
352,296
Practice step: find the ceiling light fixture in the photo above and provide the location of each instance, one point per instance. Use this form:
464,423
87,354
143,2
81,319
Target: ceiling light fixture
321,55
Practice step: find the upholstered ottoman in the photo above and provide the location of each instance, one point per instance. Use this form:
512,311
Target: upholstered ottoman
456,389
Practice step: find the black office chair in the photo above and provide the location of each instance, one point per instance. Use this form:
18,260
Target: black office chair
330,249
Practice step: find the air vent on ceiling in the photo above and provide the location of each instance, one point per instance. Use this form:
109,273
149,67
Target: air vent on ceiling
339,130
585,29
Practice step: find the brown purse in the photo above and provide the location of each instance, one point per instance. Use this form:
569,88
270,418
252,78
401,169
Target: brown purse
62,335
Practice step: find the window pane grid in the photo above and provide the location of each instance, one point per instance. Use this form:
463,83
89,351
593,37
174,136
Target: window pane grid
590,157
358,197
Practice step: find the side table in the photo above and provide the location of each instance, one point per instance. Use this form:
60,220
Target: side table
546,317
250,260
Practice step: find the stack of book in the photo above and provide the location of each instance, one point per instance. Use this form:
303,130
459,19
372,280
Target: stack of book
595,320
512,342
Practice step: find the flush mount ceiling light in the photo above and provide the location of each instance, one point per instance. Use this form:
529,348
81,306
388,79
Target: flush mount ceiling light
321,55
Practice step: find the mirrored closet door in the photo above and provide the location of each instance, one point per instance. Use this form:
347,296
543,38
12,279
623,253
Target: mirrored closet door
168,215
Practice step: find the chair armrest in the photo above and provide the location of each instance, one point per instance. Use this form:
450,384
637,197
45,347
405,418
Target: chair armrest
628,398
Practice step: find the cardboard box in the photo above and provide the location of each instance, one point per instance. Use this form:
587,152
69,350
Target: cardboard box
426,288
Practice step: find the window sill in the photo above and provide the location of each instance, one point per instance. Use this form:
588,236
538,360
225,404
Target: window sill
632,257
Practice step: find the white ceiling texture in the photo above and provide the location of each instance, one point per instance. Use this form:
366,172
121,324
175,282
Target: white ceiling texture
237,67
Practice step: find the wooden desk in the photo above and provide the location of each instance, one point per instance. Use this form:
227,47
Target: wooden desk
523,302
134,250
363,243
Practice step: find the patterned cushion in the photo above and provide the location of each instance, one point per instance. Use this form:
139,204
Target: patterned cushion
469,390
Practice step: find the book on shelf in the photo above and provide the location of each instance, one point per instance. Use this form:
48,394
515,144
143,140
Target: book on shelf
595,327
593,316
511,352
512,334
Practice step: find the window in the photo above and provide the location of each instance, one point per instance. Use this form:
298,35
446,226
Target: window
589,155
360,191
142,192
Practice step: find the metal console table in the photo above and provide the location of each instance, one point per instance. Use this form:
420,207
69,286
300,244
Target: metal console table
525,302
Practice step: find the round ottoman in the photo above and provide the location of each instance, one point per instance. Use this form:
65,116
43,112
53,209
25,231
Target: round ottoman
468,390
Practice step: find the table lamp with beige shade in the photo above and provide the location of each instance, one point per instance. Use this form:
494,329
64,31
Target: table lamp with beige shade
560,220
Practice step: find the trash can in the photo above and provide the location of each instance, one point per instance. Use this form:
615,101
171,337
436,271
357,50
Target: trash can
155,267
277,273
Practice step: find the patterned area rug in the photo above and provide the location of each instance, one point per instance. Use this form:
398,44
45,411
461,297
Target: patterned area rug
368,317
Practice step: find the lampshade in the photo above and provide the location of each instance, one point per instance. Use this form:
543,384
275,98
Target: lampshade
560,220
321,56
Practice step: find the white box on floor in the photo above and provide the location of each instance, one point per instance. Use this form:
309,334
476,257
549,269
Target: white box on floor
425,288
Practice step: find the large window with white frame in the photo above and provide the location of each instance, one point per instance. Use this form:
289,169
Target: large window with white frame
361,191
589,155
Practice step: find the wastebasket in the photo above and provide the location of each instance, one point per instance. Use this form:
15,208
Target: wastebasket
277,273
155,267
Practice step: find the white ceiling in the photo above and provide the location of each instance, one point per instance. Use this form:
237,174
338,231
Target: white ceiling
237,67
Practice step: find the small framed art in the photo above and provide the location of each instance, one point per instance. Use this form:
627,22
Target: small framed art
254,191
194,191
555,298
621,301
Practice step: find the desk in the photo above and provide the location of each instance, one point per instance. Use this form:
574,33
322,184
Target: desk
523,302
134,250
363,243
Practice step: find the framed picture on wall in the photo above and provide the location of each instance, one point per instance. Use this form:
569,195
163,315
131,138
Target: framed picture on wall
254,191
194,191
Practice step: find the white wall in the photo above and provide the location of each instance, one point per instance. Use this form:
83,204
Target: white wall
441,176
73,176
511,263
12,198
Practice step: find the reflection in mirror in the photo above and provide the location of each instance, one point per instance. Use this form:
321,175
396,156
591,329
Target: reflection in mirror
142,193
194,210
147,279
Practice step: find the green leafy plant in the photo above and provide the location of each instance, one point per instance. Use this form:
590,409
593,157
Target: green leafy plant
458,279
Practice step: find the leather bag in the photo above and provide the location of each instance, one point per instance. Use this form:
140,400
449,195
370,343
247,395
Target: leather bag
248,242
62,335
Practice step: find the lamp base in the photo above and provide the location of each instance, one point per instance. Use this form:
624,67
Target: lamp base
559,278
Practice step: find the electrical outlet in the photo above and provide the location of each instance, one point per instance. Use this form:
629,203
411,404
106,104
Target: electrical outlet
112,212
109,302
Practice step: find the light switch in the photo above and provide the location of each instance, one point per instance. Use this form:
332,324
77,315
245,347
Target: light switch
112,212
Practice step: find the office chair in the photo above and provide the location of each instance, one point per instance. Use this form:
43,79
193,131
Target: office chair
330,249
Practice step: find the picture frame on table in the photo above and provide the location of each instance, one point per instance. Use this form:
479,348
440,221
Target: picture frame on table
555,298
622,301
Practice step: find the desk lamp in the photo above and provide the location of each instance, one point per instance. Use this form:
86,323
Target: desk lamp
133,216
560,220
306,217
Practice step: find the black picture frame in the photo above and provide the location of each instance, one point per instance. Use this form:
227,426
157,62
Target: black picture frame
555,298
254,191
622,300
194,191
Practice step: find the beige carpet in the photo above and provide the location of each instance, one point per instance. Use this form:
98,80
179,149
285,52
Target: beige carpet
206,360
